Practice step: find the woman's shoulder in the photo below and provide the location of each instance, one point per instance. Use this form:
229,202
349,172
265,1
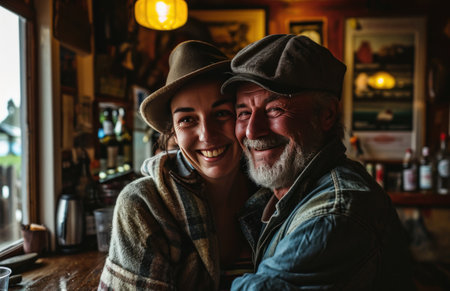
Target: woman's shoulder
153,165
139,189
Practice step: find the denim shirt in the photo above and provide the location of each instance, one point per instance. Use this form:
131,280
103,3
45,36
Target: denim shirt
335,229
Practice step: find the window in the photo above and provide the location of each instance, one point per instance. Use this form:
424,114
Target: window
14,146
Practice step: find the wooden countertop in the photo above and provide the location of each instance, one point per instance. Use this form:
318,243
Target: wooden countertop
80,271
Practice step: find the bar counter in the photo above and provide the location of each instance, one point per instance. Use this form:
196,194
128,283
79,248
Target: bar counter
80,271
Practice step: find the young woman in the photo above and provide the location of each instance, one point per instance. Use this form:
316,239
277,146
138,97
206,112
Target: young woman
177,229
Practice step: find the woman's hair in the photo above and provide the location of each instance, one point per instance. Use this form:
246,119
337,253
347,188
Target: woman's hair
163,142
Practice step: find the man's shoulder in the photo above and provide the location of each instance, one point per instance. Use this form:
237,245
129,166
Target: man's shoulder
348,190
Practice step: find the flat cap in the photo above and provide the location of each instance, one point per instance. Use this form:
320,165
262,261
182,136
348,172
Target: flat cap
287,64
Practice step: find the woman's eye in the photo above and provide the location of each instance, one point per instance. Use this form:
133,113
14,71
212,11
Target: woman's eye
185,121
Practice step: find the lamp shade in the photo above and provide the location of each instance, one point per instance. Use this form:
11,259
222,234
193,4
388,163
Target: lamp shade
161,14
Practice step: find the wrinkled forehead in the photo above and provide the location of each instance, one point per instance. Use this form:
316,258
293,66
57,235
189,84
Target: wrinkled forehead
249,90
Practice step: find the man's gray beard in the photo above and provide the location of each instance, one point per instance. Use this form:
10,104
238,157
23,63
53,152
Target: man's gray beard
285,170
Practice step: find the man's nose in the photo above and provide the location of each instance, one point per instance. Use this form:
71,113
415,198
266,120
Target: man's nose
257,126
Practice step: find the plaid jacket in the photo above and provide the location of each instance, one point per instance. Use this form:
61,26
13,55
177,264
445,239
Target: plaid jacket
163,237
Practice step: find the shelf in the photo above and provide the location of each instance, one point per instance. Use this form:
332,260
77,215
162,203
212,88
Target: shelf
116,176
420,200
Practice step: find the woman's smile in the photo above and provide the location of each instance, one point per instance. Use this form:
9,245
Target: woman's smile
213,153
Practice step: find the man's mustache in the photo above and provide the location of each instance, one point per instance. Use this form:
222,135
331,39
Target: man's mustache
266,142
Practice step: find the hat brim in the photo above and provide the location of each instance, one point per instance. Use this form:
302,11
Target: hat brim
155,109
230,85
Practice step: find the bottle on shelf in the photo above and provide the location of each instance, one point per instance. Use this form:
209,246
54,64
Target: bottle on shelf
68,170
369,168
355,152
443,167
124,138
379,174
103,154
109,141
87,189
425,171
409,172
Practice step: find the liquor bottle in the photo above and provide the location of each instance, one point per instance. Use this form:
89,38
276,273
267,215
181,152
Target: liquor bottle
68,169
87,190
369,168
124,138
443,167
409,172
425,171
103,155
109,141
379,174
355,152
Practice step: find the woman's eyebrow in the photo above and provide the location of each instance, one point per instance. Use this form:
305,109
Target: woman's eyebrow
190,109
183,109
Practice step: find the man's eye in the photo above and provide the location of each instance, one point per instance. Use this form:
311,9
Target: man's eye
243,115
224,114
274,111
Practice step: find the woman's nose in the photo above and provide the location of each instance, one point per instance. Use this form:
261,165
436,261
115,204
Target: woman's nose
207,131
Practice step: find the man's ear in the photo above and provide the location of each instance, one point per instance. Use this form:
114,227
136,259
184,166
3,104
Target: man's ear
329,115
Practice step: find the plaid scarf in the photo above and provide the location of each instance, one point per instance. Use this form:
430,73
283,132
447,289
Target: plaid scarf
163,237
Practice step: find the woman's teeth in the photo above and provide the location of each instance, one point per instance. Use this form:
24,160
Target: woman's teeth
213,153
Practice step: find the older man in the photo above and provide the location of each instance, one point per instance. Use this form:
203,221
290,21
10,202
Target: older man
326,223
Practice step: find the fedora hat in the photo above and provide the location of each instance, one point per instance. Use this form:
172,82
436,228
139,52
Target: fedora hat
187,60
287,64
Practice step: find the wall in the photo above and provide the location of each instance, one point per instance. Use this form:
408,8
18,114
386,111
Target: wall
152,49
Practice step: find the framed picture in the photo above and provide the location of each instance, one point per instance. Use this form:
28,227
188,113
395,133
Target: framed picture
68,68
139,94
314,28
233,29
71,24
384,87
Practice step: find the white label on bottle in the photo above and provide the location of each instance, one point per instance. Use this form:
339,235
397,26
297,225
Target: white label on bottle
443,168
108,127
409,180
425,177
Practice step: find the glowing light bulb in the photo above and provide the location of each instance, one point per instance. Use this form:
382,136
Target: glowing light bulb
382,80
161,14
162,9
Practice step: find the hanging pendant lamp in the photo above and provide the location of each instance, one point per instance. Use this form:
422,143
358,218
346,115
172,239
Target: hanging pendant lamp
161,14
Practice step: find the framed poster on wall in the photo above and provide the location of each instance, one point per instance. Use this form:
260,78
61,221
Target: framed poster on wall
233,29
384,85
314,28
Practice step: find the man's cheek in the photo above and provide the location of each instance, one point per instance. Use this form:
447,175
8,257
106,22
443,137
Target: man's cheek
240,131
